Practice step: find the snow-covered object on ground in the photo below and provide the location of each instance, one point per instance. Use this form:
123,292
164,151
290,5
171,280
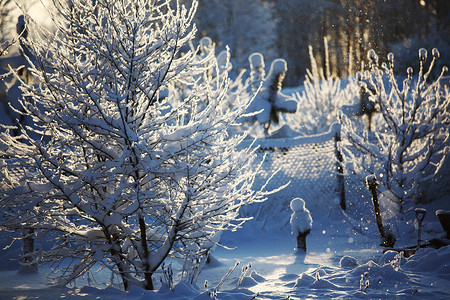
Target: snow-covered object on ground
444,219
206,45
270,101
301,220
348,261
284,132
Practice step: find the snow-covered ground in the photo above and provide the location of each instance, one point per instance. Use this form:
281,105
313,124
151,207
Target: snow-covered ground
339,263
343,258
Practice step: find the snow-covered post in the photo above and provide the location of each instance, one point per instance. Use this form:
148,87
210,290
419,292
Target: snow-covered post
301,222
29,263
387,238
339,165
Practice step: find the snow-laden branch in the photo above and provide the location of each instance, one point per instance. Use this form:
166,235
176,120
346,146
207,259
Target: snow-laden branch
130,160
411,140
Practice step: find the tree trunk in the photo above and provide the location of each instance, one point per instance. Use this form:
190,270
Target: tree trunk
29,260
148,285
387,238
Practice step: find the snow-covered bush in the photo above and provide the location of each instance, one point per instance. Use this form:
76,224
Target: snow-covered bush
409,144
125,174
320,101
270,101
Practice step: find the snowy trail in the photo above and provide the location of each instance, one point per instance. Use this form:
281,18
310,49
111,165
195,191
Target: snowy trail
277,272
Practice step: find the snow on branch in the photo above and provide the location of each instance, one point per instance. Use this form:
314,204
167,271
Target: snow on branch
133,161
410,142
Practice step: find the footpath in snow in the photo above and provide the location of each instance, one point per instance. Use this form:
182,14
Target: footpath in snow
339,263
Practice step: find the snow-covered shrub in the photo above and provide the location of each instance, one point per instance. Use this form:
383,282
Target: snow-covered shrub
320,101
270,101
126,173
409,144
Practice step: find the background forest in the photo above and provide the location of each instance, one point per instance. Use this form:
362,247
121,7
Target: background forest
285,28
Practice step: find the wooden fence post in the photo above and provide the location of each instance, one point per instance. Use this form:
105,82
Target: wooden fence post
340,169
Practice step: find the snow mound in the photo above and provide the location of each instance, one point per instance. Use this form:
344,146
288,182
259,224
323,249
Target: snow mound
182,290
258,278
348,261
304,280
248,282
375,273
430,260
389,256
236,294
325,284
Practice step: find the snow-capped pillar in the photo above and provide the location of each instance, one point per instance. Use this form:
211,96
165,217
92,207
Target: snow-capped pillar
420,216
257,71
301,222
444,219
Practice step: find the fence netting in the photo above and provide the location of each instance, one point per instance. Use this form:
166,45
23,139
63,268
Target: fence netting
308,163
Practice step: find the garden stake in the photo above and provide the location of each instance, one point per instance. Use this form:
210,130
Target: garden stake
420,215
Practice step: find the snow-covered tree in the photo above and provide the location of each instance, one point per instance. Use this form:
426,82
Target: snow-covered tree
410,142
125,173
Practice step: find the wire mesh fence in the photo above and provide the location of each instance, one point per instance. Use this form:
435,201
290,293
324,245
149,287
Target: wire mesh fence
308,164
